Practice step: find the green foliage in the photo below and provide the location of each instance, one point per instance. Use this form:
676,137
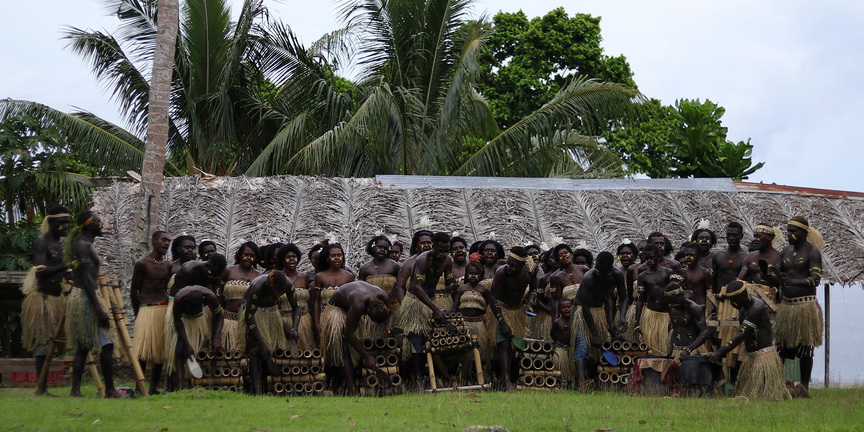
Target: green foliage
699,147
37,167
642,140
528,61
687,140
16,245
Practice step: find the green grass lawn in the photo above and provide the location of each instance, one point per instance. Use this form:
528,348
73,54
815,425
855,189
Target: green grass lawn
196,410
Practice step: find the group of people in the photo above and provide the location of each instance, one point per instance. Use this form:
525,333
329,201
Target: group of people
264,302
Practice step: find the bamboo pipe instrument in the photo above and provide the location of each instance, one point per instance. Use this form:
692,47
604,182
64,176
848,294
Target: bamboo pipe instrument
318,386
371,381
526,363
527,380
606,346
298,362
616,345
395,379
551,381
521,387
538,363
368,344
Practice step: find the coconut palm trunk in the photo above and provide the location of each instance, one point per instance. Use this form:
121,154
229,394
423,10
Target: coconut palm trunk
160,98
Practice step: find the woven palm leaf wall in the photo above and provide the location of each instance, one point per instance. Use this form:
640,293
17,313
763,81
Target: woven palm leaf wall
304,210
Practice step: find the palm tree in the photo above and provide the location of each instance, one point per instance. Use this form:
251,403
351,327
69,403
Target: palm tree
159,102
418,110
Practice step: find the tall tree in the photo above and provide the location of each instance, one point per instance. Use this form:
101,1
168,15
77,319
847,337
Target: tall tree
529,60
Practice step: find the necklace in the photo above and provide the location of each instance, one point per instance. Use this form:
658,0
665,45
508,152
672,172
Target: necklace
246,276
162,261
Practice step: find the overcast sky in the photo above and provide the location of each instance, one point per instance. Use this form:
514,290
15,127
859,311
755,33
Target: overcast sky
789,73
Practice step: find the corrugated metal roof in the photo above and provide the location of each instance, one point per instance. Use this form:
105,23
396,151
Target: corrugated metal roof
562,184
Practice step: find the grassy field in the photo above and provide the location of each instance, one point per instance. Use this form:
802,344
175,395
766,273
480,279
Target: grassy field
829,410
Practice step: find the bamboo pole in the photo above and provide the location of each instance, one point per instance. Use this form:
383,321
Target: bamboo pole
120,321
478,365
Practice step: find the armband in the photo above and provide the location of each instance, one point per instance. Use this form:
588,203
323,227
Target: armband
252,327
217,310
421,277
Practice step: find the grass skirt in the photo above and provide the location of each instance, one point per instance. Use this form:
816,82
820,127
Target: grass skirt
268,320
150,333
307,336
630,335
197,331
333,321
542,326
231,339
564,362
40,314
516,319
414,316
761,376
477,328
82,326
655,330
385,282
799,323
600,324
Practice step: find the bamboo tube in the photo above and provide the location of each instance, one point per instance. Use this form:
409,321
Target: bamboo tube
279,353
216,381
232,388
538,363
115,299
368,344
616,345
380,360
315,353
626,360
278,387
219,355
525,354
298,387
549,365
548,347
297,378
526,363
315,369
307,387
371,381
478,366
304,370
286,370
392,360
624,378
537,373
606,345
535,345
380,343
603,376
396,379
431,365
235,372
551,381
610,368
202,355
389,370
614,378
521,387
392,343
297,362
318,386
527,380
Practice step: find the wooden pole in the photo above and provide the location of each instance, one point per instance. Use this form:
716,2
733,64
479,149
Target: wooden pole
119,313
827,335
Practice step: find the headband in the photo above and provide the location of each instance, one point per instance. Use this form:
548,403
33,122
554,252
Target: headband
814,237
529,261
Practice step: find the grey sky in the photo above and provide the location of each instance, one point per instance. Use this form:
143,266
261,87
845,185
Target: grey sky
787,72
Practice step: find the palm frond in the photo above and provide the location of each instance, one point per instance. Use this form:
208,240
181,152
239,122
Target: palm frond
130,88
582,102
